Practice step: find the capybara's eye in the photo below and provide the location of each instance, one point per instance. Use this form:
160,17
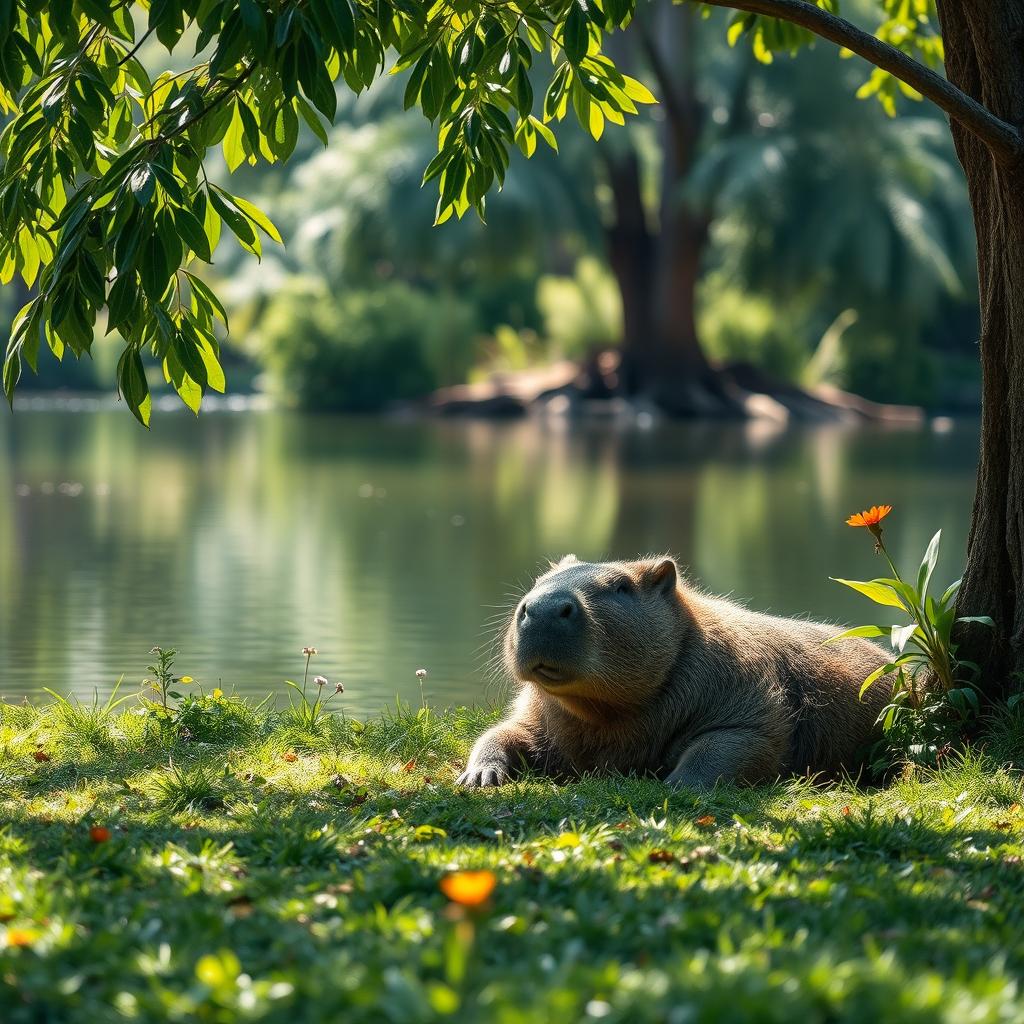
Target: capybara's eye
624,587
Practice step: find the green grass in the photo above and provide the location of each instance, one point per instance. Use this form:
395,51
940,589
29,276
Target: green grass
242,883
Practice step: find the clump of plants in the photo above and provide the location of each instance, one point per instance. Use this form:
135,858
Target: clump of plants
309,712
199,717
935,693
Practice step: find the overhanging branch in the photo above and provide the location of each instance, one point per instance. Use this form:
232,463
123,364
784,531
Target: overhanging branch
1002,138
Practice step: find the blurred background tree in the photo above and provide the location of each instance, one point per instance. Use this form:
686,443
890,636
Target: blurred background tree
730,224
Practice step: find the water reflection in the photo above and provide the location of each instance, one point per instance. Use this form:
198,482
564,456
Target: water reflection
239,538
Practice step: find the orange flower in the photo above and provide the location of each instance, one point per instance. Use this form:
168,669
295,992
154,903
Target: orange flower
290,756
469,888
99,834
869,517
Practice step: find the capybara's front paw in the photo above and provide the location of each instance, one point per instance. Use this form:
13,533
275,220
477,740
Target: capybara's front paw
477,774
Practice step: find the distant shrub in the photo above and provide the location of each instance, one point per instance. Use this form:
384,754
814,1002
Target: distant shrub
736,325
581,313
361,349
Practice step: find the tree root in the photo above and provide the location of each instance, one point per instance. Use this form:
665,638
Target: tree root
735,391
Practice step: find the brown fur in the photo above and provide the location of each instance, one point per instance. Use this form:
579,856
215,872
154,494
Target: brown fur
641,673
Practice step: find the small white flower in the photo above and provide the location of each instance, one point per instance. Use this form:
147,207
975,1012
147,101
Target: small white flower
421,674
320,681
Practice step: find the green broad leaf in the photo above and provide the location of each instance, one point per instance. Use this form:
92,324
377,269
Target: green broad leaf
576,33
637,91
900,636
239,225
190,393
233,144
122,298
142,183
204,290
214,371
931,556
861,631
12,374
544,132
131,378
880,593
875,676
256,215
186,347
950,593
191,230
311,119
983,620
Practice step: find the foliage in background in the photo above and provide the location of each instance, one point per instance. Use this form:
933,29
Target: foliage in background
360,349
104,197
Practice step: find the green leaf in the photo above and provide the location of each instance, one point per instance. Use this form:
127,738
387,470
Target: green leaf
233,143
951,591
256,215
142,184
862,631
207,293
931,556
877,674
575,33
901,635
880,593
134,388
983,620
192,232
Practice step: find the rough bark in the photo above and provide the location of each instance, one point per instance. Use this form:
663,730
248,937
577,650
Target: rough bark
985,58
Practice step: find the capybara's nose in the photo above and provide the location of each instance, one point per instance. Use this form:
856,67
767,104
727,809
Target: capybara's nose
548,608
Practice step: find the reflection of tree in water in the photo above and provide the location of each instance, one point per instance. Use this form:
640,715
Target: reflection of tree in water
389,545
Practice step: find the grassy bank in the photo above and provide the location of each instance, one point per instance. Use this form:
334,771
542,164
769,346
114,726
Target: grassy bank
247,867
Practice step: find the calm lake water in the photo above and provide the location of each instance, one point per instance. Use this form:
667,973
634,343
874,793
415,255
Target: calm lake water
240,537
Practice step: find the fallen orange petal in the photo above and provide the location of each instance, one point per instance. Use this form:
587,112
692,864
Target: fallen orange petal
99,834
21,936
706,820
469,888
41,755
290,756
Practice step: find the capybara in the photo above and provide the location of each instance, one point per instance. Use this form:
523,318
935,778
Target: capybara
624,667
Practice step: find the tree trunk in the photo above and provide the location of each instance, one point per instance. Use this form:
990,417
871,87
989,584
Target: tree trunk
631,254
984,45
657,270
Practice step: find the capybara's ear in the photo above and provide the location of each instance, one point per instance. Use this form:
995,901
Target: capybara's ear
565,561
662,576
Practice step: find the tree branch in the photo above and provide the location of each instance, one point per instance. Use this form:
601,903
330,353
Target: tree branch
1003,139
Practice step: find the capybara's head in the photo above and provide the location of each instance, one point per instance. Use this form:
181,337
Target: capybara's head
607,631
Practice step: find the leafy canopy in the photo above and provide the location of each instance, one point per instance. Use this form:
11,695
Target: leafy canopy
104,200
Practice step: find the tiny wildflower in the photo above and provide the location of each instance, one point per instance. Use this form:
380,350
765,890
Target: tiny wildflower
217,693
309,651
99,834
421,674
468,888
339,688
321,681
186,680
290,756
